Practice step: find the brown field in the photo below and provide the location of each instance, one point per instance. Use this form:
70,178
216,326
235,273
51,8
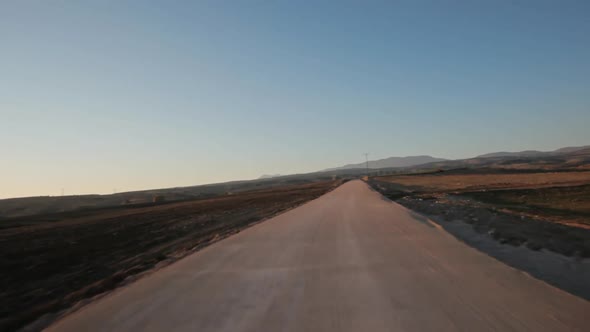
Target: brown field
90,204
542,210
562,197
51,262
441,182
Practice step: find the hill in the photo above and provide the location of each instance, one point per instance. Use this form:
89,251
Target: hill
269,176
534,153
391,162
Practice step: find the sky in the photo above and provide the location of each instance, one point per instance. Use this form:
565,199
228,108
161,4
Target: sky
103,96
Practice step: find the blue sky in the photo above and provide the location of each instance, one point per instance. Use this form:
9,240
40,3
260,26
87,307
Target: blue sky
135,94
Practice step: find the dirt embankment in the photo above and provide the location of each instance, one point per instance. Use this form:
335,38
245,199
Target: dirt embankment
50,266
553,252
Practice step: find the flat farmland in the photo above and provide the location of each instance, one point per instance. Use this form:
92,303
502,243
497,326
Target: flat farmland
538,222
50,263
442,182
542,210
562,197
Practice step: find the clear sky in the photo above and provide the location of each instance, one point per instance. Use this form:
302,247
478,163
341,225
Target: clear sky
98,95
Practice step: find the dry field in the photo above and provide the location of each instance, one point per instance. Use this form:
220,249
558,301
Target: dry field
443,182
51,262
542,210
536,222
568,205
562,197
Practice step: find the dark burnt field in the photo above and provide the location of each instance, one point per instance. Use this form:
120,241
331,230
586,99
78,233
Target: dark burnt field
51,262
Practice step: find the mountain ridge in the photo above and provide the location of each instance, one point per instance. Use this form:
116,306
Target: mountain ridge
268,176
391,162
533,153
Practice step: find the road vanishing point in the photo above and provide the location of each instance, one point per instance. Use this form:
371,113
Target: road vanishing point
350,260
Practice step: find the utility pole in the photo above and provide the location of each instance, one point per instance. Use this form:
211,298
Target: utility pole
367,163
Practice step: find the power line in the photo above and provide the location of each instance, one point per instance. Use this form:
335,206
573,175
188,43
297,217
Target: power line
367,163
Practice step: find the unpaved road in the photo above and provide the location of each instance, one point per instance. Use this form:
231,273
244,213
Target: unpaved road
348,261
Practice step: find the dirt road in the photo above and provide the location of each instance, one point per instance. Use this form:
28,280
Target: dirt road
348,261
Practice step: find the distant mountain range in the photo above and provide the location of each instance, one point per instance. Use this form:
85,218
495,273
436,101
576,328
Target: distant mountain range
534,153
391,162
269,176
484,159
569,158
